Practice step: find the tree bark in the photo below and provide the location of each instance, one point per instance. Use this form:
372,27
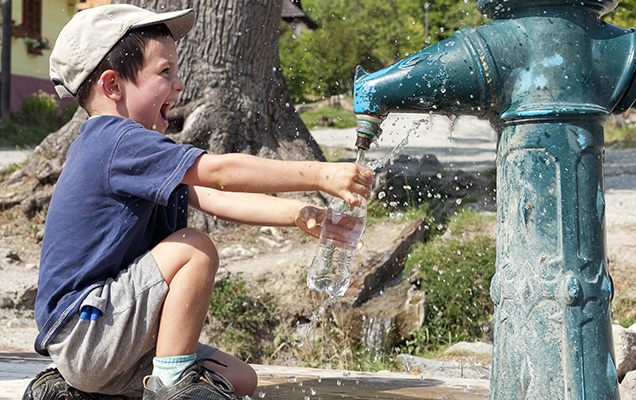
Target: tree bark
235,98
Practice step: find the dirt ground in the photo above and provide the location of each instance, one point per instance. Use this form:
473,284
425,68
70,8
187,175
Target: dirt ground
275,258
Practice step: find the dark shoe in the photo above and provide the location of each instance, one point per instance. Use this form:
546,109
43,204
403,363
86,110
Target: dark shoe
197,383
50,385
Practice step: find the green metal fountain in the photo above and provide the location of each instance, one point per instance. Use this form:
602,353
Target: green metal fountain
547,74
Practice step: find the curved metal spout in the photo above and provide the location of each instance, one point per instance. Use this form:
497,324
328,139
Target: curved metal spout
504,70
447,77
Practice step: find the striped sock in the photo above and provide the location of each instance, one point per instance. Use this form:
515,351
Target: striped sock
169,369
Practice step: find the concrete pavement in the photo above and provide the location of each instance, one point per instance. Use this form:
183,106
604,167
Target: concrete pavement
467,144
288,383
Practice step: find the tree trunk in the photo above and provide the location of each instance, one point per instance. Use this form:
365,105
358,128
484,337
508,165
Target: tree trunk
235,98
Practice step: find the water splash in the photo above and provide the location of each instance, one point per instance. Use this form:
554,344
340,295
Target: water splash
306,328
390,158
375,333
453,121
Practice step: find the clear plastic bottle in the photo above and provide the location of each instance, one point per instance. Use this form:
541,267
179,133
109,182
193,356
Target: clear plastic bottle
342,229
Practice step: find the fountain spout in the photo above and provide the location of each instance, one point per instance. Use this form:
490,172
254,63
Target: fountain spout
547,74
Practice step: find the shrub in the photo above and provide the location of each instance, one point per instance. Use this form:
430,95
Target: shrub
38,106
36,117
455,276
239,320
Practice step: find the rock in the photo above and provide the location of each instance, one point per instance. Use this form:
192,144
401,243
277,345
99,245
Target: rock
384,320
272,231
235,251
624,349
412,313
12,256
6,301
441,369
372,275
465,347
269,242
27,298
628,386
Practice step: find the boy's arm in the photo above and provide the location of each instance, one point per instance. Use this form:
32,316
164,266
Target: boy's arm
256,209
244,173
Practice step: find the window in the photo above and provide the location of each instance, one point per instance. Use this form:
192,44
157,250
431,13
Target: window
32,18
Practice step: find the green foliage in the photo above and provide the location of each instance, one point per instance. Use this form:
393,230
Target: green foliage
455,275
622,137
37,116
624,310
342,118
377,211
38,106
239,320
370,33
624,14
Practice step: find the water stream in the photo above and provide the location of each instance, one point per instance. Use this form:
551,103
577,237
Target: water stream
373,336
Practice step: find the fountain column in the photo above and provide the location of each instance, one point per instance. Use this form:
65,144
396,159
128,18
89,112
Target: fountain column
548,74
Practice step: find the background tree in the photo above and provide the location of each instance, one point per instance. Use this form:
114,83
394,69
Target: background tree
624,14
235,98
371,33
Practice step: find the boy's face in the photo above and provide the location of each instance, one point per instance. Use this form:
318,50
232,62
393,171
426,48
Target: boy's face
157,87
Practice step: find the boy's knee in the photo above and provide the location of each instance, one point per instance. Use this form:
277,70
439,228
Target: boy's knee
201,244
186,247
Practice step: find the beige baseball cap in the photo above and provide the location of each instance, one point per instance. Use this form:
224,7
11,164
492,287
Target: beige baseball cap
90,34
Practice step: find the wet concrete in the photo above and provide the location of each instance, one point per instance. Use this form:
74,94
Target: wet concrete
287,383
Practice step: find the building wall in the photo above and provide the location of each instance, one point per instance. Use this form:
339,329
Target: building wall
30,72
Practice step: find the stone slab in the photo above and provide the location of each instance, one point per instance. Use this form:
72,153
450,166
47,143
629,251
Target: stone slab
288,383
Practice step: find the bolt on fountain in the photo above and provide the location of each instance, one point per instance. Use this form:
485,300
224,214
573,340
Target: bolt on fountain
547,74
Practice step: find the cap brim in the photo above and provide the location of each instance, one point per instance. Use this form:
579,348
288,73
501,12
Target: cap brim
178,22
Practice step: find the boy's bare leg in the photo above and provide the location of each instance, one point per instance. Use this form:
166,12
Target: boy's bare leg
188,262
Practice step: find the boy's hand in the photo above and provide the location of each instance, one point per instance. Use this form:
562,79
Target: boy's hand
309,219
345,179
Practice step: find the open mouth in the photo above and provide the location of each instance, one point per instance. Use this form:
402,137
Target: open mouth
163,112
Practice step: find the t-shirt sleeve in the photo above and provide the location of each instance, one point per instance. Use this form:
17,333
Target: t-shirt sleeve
149,165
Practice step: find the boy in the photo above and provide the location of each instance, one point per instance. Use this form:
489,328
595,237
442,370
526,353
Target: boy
124,285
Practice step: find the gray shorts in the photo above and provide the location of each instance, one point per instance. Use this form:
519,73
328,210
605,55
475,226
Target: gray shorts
112,354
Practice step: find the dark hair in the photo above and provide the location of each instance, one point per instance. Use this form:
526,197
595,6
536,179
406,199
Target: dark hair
126,58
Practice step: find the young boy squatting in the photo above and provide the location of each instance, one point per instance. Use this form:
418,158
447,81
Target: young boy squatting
124,284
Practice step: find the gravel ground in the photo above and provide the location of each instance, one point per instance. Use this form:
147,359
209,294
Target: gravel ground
469,145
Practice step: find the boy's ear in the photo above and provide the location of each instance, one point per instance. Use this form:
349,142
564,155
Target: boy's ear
109,83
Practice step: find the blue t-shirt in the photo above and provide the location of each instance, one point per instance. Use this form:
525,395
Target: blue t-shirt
119,195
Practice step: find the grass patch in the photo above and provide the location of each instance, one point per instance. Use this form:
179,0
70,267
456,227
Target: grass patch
37,116
240,322
623,137
624,310
329,116
334,153
455,275
469,223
